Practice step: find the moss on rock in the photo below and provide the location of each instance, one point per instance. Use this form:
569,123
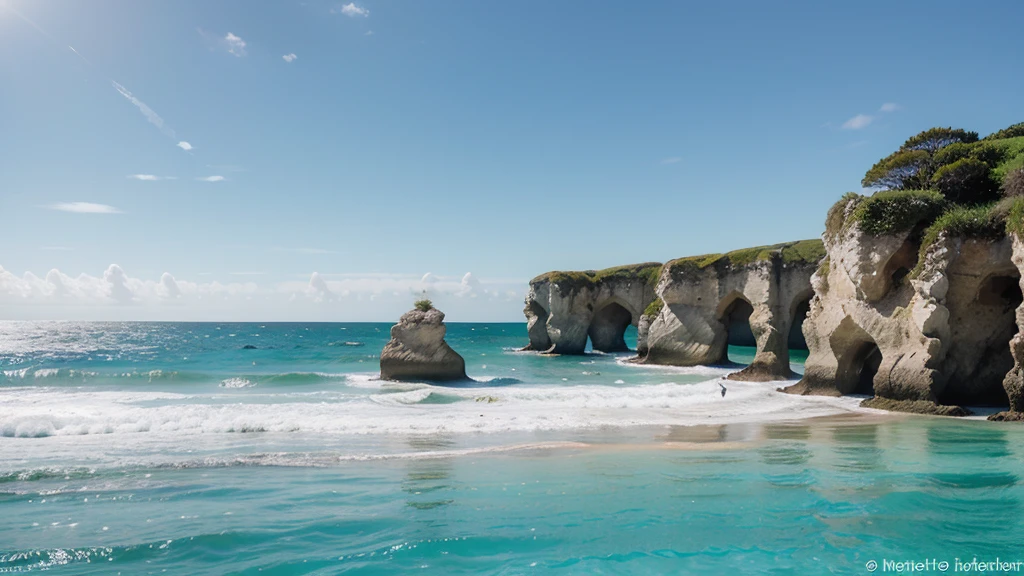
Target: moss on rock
569,281
654,308
798,252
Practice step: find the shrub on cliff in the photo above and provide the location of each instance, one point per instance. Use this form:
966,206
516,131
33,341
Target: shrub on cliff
424,305
1013,184
966,181
1013,131
892,211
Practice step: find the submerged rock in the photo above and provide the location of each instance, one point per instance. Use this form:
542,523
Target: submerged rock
417,350
1008,416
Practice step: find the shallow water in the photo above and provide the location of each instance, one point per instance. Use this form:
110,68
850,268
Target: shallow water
139,448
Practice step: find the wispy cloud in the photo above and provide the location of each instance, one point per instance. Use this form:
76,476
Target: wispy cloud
247,273
352,10
672,160
184,146
57,248
858,122
148,112
861,121
150,177
368,33
289,58
83,208
235,45
211,179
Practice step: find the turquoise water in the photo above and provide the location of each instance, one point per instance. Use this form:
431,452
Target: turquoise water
173,448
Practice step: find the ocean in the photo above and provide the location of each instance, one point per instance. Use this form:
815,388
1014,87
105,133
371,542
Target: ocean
248,448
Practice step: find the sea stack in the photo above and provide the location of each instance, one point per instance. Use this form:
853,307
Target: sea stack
417,350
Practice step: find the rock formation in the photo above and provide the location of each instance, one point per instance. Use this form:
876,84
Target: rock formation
563,309
417,349
907,300
754,297
913,311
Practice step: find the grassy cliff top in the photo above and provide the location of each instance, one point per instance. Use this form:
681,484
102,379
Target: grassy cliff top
885,212
646,272
1013,155
799,252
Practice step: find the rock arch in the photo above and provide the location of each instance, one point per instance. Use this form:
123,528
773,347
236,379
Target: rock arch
799,309
858,356
608,327
537,326
734,312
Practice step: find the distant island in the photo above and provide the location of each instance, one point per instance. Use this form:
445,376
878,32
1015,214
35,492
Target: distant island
912,295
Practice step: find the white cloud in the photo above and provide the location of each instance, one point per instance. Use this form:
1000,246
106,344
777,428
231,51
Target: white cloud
428,278
235,45
84,208
116,295
672,160
168,287
184,146
857,122
150,177
148,112
211,179
290,58
889,107
117,284
352,10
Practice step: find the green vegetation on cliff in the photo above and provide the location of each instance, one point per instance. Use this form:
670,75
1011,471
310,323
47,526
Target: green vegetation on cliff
799,252
886,212
568,281
943,179
654,308
988,222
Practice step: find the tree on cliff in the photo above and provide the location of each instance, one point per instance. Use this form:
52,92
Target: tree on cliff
914,164
966,181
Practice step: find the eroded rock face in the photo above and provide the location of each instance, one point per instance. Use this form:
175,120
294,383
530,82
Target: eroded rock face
417,350
707,305
938,331
1013,382
563,310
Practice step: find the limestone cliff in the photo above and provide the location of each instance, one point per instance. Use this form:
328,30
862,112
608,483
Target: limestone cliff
417,350
564,309
912,308
754,297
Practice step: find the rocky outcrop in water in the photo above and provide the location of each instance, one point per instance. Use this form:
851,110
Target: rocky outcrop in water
755,297
564,309
417,350
907,312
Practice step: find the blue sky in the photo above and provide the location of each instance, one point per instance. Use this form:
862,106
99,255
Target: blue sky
372,142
